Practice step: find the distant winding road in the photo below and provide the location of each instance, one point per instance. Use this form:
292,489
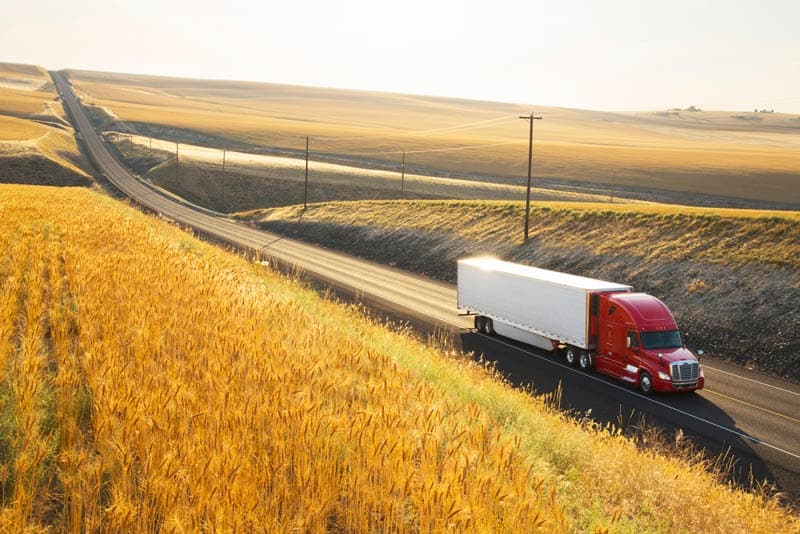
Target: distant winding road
753,416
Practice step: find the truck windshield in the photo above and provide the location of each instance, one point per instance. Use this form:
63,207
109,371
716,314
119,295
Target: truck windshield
662,340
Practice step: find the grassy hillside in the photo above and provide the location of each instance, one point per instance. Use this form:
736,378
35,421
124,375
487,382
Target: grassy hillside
125,405
258,180
732,154
37,144
732,277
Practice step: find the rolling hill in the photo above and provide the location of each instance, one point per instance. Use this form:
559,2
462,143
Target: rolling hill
733,158
37,144
125,406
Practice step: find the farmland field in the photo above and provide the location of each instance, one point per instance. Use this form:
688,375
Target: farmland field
125,406
259,180
749,156
36,141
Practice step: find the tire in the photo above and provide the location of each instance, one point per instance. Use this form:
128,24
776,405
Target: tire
489,326
480,323
646,383
571,355
584,360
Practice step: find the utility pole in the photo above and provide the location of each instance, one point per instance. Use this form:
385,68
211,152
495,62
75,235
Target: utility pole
402,176
305,192
223,181
178,166
530,118
613,181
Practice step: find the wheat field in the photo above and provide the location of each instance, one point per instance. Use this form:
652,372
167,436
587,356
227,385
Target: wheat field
151,382
737,154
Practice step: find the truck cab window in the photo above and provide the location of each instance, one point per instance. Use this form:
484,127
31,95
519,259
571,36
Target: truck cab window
634,339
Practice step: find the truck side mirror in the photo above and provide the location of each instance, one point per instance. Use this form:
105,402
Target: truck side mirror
627,342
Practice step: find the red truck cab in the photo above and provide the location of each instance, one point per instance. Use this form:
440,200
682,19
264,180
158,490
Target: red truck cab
638,341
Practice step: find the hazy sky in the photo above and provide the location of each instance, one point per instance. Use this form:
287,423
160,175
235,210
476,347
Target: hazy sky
610,55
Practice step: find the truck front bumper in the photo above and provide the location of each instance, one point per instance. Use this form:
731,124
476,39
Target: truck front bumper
668,386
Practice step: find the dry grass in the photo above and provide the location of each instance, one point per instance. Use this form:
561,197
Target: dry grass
37,145
651,232
28,75
21,103
196,419
14,129
25,90
257,181
708,152
126,406
732,277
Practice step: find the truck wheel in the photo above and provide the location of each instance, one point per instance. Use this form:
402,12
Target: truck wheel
489,327
584,361
571,355
646,383
480,323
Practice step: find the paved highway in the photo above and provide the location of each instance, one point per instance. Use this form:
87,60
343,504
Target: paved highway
753,415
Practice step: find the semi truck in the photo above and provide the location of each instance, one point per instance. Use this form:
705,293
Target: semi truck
594,324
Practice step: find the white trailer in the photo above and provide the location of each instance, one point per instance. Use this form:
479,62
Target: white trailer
536,306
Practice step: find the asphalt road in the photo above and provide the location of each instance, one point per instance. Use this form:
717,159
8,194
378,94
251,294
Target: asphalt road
754,417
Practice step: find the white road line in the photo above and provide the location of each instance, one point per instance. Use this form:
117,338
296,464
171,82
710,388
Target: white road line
751,405
649,399
751,380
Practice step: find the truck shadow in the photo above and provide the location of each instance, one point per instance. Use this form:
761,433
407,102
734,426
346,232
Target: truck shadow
662,420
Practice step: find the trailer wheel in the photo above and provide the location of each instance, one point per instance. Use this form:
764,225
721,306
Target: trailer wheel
571,355
480,323
646,382
584,360
489,326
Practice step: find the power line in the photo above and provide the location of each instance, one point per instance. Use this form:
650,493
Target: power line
305,189
403,176
222,182
464,126
426,151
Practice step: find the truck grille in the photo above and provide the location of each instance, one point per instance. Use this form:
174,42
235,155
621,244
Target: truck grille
685,372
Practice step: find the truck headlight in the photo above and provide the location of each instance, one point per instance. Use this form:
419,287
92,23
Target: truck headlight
663,376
